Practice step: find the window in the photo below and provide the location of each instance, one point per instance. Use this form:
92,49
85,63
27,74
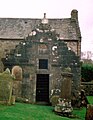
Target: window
43,63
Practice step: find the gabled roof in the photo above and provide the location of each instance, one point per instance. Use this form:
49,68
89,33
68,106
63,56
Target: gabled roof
17,28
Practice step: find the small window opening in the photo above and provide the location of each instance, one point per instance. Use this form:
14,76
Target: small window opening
43,63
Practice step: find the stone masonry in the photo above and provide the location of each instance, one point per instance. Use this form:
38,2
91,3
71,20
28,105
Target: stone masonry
43,49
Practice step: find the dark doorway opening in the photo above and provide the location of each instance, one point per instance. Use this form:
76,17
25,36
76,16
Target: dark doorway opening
42,88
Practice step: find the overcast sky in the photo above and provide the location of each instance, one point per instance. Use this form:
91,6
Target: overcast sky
53,9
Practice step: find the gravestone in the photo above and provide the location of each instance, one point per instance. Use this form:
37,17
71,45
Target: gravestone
55,93
17,84
64,107
64,102
17,72
89,112
6,84
66,84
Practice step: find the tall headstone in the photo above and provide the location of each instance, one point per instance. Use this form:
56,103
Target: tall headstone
66,84
64,102
6,84
17,84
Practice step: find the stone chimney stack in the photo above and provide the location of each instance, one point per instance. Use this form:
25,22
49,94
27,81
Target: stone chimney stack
74,15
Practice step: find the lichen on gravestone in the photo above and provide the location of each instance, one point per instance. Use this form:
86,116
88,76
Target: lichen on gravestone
64,107
6,83
6,75
67,69
17,72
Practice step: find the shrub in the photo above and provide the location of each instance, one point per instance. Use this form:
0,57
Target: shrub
87,72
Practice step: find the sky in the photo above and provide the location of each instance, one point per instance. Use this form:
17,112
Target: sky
53,9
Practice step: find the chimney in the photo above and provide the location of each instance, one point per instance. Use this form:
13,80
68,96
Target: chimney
74,15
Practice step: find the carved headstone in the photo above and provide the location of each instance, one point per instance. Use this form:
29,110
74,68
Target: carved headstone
17,85
17,72
64,102
66,85
89,112
6,84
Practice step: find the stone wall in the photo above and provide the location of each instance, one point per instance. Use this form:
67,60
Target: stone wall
88,87
43,55
57,60
13,30
5,47
75,46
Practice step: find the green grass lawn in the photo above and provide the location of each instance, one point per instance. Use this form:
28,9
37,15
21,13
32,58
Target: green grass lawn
90,99
22,111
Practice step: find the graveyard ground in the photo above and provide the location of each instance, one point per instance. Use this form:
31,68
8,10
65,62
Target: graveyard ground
23,111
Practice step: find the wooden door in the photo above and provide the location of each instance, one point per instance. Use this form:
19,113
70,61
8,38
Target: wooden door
42,88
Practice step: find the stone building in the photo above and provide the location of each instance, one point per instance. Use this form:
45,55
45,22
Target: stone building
43,49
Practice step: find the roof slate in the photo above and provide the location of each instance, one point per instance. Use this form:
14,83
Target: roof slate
18,28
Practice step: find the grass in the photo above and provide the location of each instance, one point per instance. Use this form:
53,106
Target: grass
22,111
80,113
90,99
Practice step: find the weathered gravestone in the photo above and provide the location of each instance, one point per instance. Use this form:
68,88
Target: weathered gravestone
89,112
17,72
6,83
17,84
55,94
83,99
64,102
66,85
